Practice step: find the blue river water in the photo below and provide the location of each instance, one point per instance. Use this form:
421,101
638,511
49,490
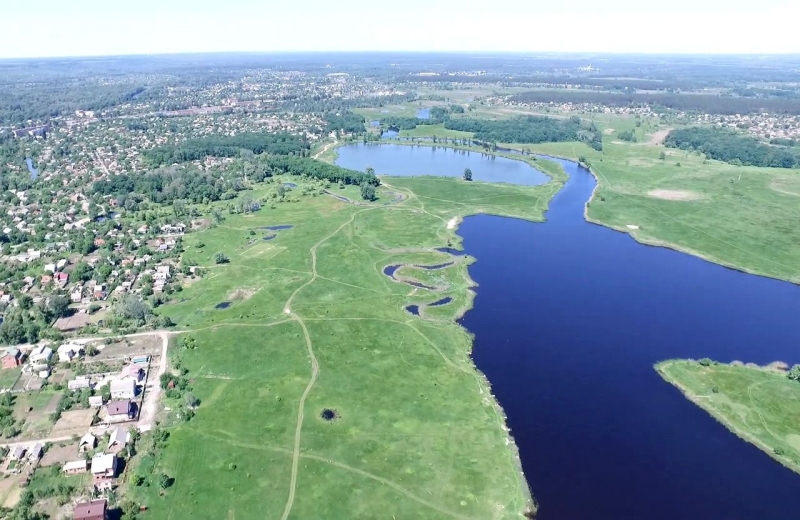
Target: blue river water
568,321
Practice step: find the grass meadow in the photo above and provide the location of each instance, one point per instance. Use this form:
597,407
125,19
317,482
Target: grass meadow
313,325
760,405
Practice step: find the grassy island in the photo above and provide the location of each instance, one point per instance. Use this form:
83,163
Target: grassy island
758,404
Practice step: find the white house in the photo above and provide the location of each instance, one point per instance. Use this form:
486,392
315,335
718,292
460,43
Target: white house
87,443
96,401
79,383
50,268
40,355
104,465
67,352
123,389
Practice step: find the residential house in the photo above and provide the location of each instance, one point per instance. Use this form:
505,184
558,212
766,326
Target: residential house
79,383
36,452
50,268
119,410
76,466
40,355
87,443
123,389
120,438
11,358
18,453
132,371
94,510
62,279
68,351
96,401
104,465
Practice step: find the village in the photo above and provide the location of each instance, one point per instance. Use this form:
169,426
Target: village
76,409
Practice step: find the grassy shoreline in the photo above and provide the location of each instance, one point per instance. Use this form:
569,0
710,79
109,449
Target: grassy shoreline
426,396
754,403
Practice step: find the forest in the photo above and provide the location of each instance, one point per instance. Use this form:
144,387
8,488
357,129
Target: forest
345,121
19,103
705,103
529,129
226,146
728,146
166,185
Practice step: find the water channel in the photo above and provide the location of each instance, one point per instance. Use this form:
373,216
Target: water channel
569,319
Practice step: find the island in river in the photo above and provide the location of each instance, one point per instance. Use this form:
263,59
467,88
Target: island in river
758,404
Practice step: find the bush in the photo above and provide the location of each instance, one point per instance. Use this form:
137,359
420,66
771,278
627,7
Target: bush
221,258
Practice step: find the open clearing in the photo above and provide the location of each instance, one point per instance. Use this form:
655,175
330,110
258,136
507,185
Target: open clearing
760,405
684,195
415,433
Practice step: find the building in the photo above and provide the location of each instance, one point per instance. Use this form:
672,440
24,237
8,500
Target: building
68,352
11,358
79,383
104,466
123,389
120,438
76,466
96,401
119,410
133,371
36,452
40,355
141,360
18,453
94,510
87,443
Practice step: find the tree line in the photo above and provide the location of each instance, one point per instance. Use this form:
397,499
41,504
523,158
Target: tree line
703,103
529,129
226,146
728,146
345,121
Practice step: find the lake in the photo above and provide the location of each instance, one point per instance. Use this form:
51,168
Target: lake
569,319
409,160
423,113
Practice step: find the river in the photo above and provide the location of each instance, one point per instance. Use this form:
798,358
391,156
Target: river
569,319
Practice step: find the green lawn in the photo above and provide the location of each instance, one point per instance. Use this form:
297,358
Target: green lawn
417,435
9,376
759,405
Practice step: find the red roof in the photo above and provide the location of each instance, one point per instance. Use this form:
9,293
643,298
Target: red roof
90,510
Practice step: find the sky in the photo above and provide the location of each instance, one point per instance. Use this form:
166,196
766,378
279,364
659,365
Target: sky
111,27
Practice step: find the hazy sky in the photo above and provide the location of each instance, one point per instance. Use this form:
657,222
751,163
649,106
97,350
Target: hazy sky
101,27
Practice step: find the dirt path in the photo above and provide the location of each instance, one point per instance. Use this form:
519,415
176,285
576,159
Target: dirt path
324,149
150,402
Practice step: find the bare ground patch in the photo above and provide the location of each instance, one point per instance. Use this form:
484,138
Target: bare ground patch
73,422
242,293
658,137
608,131
683,195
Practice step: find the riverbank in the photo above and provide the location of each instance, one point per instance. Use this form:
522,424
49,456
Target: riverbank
758,404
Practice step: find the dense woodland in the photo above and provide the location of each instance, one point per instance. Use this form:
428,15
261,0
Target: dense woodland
529,129
705,103
226,146
18,104
725,145
177,183
345,121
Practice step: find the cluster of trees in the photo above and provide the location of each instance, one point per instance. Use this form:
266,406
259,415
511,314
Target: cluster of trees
131,312
529,129
28,322
627,135
345,121
319,170
227,146
8,424
48,99
169,184
438,115
728,146
703,103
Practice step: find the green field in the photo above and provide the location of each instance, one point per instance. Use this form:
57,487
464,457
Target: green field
314,324
760,405
9,377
